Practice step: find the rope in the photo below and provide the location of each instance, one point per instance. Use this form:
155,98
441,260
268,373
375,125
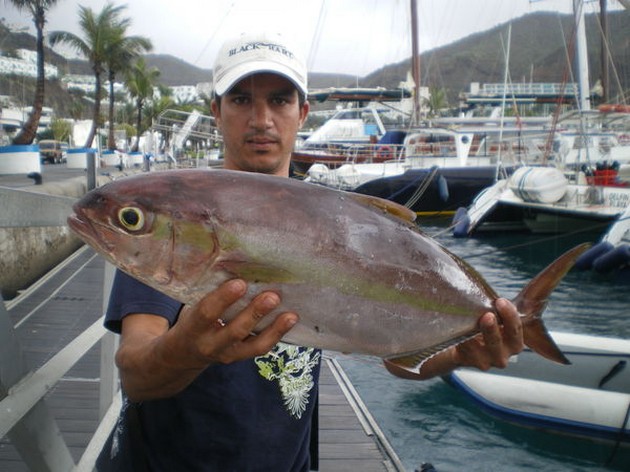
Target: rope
422,187
622,430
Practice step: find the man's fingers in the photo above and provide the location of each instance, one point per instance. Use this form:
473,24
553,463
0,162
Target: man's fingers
493,340
512,325
245,323
264,341
215,303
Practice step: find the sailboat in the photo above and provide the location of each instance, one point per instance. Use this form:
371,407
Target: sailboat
572,195
432,169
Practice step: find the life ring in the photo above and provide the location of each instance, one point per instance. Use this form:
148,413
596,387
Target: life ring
385,152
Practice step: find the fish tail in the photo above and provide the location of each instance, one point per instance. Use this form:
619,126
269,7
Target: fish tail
532,301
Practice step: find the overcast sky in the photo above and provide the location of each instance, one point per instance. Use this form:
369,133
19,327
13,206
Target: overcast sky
346,36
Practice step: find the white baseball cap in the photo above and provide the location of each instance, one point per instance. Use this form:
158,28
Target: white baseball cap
254,53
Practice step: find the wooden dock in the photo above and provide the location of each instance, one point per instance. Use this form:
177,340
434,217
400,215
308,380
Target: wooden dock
69,300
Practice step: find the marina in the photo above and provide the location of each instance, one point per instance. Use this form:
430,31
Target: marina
548,160
368,419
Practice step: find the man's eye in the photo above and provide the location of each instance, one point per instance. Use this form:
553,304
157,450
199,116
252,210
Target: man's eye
240,100
281,100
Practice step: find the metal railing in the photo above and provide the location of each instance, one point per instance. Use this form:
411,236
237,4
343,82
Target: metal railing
24,416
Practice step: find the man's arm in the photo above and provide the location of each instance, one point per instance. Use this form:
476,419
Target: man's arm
157,362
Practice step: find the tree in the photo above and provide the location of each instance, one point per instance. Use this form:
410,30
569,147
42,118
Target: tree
437,101
100,31
62,129
38,9
140,82
122,50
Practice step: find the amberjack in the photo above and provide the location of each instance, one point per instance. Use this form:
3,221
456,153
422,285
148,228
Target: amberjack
358,271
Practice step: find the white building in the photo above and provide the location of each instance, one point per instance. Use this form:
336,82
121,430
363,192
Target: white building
26,65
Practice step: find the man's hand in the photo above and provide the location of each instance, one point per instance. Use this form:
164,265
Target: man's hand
490,348
215,342
496,343
157,362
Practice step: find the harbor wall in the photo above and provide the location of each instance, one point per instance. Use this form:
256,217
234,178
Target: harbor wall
30,252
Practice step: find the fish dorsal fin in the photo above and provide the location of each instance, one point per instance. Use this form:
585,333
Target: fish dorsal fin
388,206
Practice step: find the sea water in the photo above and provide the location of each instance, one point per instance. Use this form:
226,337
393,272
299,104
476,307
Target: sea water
432,422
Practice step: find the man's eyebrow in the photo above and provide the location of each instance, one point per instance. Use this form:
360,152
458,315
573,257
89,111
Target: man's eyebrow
283,92
237,91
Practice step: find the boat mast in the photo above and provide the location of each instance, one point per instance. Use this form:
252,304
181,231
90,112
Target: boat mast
603,21
415,63
582,58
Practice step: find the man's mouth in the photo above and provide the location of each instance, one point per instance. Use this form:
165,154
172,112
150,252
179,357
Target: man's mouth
261,144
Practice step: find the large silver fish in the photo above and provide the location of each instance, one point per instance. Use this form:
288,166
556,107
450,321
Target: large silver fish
359,273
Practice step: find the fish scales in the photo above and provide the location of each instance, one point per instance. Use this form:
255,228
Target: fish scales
361,277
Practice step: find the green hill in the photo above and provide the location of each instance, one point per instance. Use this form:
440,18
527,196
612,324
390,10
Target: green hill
539,51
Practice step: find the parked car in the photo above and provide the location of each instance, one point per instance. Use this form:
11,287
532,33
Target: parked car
51,151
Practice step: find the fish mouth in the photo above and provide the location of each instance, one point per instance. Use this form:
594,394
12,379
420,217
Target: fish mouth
85,228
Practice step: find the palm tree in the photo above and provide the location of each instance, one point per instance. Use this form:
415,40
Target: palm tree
140,82
38,9
122,50
100,31
437,101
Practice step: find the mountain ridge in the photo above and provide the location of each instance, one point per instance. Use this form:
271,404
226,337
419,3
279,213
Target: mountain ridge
538,53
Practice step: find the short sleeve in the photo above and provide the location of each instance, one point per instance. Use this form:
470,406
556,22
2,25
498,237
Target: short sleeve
129,296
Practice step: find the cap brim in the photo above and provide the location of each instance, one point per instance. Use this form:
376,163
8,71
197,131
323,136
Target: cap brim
238,73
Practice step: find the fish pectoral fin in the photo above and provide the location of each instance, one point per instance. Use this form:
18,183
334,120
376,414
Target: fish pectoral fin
387,206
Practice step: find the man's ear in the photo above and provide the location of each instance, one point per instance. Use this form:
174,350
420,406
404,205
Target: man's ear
216,111
304,112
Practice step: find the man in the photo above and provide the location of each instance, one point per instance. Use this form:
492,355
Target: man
201,395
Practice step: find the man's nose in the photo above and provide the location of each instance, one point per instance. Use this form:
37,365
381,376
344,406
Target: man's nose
261,115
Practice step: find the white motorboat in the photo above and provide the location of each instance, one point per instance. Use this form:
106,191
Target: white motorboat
589,398
543,200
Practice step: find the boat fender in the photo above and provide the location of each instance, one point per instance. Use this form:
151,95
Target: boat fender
461,223
618,257
585,261
443,188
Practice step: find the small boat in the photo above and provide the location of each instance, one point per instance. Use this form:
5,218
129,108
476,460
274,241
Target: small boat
589,398
356,133
544,200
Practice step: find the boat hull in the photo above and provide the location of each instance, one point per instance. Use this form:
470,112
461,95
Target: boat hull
589,398
433,190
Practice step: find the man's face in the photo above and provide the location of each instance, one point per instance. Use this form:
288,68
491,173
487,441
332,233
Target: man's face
259,119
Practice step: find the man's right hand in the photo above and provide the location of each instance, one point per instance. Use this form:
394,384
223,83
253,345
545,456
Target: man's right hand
215,342
157,362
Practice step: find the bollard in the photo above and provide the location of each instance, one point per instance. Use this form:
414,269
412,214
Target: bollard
91,170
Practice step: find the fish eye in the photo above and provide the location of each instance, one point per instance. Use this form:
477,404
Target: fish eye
131,218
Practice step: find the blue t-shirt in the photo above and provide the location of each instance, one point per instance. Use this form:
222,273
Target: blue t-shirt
252,415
